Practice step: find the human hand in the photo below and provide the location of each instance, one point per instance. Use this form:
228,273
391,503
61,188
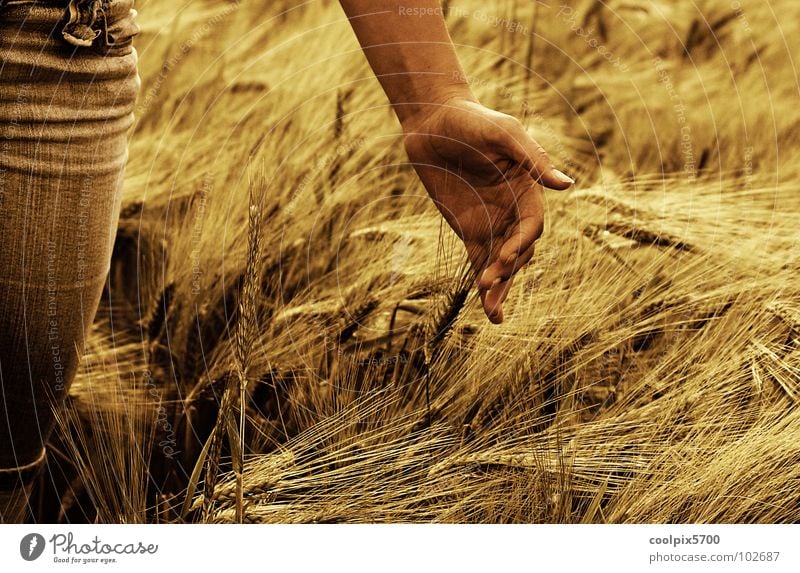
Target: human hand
486,176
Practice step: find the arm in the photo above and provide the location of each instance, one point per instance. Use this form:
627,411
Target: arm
480,167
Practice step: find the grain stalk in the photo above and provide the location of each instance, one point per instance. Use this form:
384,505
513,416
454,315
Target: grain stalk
245,334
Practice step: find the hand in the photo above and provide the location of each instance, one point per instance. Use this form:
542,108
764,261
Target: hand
485,174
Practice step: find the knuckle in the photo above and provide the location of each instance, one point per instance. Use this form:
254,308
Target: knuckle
508,131
512,124
537,230
540,156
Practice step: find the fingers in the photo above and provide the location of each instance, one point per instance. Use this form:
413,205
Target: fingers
523,149
495,283
522,239
515,252
496,294
499,271
515,264
493,300
517,248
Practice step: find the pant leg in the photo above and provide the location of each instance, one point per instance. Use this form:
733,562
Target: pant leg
65,111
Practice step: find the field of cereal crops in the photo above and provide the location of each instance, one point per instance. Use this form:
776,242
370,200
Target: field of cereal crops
274,236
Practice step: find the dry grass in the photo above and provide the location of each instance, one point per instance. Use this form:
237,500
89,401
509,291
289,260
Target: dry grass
649,367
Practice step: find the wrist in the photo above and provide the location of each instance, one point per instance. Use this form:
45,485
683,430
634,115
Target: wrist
417,110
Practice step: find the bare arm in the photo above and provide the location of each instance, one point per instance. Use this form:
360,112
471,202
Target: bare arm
480,167
410,51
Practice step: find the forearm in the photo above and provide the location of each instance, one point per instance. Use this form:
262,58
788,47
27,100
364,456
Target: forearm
410,51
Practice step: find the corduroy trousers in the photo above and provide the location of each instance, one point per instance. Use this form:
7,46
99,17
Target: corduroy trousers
68,84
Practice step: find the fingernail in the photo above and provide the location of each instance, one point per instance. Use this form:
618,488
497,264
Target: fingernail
495,283
510,259
563,177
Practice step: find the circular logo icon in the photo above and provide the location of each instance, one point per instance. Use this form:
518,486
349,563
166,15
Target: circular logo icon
31,547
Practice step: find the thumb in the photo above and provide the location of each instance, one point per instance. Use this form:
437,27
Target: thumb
526,151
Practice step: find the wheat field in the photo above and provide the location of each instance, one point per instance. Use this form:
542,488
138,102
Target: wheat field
276,250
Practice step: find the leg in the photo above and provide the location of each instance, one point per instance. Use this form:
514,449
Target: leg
64,115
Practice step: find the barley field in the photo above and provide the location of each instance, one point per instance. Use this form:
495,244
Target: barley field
276,250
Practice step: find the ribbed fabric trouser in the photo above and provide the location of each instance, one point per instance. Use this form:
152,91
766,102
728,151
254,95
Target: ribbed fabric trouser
68,85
